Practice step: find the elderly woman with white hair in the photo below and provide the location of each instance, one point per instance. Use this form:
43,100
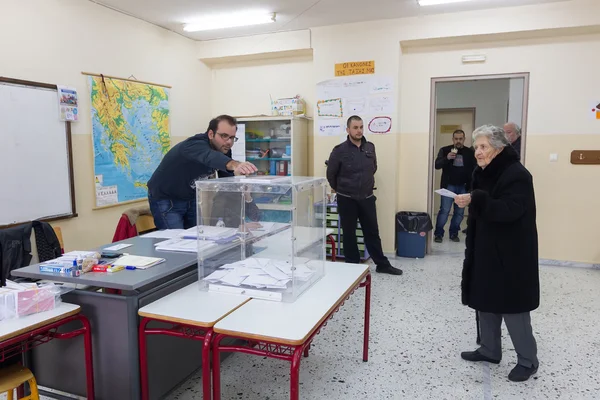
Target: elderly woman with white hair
500,278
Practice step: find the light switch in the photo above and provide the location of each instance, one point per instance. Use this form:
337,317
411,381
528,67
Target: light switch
553,157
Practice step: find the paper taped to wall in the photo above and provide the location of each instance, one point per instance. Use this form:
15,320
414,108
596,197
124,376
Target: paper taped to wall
380,125
330,108
381,105
333,127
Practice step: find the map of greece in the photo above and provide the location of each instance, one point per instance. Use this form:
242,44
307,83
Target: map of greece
130,131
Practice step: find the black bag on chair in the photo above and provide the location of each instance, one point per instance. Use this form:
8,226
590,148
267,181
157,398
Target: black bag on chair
48,246
15,249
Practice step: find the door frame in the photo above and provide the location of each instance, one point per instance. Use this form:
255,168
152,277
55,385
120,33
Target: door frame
432,123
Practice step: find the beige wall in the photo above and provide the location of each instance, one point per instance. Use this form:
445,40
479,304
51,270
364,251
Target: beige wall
558,122
245,88
417,49
53,41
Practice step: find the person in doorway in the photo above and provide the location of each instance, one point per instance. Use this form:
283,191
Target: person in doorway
351,174
500,277
171,189
513,133
457,163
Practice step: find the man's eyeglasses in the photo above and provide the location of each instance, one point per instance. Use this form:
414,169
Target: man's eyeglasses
226,137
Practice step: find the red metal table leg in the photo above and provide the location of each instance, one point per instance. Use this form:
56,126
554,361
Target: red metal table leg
143,358
216,366
306,350
295,374
367,285
89,361
206,364
35,337
331,240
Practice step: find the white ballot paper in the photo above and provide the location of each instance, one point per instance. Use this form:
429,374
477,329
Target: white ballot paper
446,193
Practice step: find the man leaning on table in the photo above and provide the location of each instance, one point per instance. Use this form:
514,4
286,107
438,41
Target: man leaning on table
351,173
172,190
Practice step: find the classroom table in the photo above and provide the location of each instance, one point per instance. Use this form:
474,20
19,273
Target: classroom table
19,335
286,330
191,313
114,319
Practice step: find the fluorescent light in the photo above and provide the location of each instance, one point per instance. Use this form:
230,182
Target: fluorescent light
424,3
230,20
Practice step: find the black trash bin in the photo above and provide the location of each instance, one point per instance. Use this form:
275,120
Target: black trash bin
411,233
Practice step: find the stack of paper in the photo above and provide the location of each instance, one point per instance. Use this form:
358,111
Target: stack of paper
261,273
184,245
209,232
264,227
139,262
164,234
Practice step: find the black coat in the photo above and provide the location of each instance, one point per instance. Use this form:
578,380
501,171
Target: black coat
442,162
15,249
500,271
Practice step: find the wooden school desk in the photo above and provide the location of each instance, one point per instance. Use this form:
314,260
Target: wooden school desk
20,335
286,330
190,313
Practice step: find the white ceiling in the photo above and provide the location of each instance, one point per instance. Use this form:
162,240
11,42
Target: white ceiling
291,14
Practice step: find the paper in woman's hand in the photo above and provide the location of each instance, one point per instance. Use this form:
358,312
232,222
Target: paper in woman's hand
446,193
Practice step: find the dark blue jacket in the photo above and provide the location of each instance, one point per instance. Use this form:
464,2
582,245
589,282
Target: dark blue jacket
183,165
351,169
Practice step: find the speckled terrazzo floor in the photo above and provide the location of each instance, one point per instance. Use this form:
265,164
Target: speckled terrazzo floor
418,329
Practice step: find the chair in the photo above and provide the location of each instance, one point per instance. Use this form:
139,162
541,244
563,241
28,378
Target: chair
58,233
144,224
13,377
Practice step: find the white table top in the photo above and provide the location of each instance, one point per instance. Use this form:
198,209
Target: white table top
293,323
192,306
17,326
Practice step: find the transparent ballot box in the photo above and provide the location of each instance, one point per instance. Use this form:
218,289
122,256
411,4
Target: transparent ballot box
261,236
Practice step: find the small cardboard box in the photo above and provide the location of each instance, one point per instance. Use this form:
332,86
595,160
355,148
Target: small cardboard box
289,107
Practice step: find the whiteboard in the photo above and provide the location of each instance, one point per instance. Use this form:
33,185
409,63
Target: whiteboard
36,178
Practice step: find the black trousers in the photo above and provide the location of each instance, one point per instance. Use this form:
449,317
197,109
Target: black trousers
366,212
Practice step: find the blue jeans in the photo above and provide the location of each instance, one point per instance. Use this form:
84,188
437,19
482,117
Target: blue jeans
173,214
445,207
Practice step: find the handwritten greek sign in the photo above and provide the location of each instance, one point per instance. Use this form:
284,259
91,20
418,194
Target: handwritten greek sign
355,68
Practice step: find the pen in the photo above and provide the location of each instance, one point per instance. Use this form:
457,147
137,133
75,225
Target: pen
129,267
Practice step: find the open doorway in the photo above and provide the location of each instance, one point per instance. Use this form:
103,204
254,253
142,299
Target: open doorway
461,104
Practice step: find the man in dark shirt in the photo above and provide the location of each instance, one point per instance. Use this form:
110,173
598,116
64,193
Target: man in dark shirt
172,190
457,163
513,134
351,174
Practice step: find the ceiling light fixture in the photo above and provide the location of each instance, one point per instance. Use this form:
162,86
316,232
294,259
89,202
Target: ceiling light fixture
232,20
424,3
